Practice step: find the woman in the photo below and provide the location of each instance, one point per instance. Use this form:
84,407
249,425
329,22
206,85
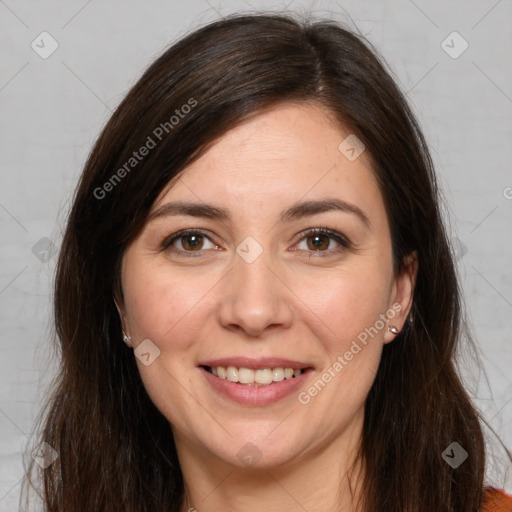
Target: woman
259,222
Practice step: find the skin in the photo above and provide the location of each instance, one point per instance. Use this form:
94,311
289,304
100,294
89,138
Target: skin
290,302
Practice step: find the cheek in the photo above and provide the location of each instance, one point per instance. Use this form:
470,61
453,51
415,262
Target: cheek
160,305
347,302
347,322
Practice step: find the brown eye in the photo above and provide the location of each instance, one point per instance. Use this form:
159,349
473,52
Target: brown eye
318,242
191,242
187,242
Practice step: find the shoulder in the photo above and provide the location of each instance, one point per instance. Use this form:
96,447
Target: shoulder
496,500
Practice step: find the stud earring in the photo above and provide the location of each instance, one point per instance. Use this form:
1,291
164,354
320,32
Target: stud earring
393,329
127,339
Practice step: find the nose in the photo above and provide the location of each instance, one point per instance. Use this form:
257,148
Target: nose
254,297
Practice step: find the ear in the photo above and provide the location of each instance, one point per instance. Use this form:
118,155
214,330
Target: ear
402,294
120,309
119,304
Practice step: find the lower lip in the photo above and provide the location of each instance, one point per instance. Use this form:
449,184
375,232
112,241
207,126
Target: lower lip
255,395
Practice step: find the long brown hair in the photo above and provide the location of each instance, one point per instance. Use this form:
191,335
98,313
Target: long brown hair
116,450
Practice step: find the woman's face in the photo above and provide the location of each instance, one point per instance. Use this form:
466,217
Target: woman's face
255,289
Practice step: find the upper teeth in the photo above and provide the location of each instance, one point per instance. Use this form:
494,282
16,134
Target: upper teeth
263,376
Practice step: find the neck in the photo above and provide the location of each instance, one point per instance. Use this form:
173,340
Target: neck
320,480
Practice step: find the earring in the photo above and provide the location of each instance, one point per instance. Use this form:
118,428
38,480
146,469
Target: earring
393,329
127,339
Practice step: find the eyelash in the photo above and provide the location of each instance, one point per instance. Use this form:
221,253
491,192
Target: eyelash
338,237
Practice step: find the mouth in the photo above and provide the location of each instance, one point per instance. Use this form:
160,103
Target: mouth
262,371
255,382
257,377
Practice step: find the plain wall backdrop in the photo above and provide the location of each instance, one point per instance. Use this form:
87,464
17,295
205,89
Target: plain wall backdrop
64,68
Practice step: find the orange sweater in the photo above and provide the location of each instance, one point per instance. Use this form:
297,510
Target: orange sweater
496,500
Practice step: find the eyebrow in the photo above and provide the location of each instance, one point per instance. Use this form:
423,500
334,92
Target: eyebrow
296,211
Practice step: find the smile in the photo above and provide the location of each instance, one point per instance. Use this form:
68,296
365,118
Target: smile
255,377
257,386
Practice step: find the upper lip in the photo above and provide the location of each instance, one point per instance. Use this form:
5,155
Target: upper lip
255,364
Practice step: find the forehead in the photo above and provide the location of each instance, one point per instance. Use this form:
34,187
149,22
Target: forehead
282,155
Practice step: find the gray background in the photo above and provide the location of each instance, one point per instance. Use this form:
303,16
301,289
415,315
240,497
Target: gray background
53,109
